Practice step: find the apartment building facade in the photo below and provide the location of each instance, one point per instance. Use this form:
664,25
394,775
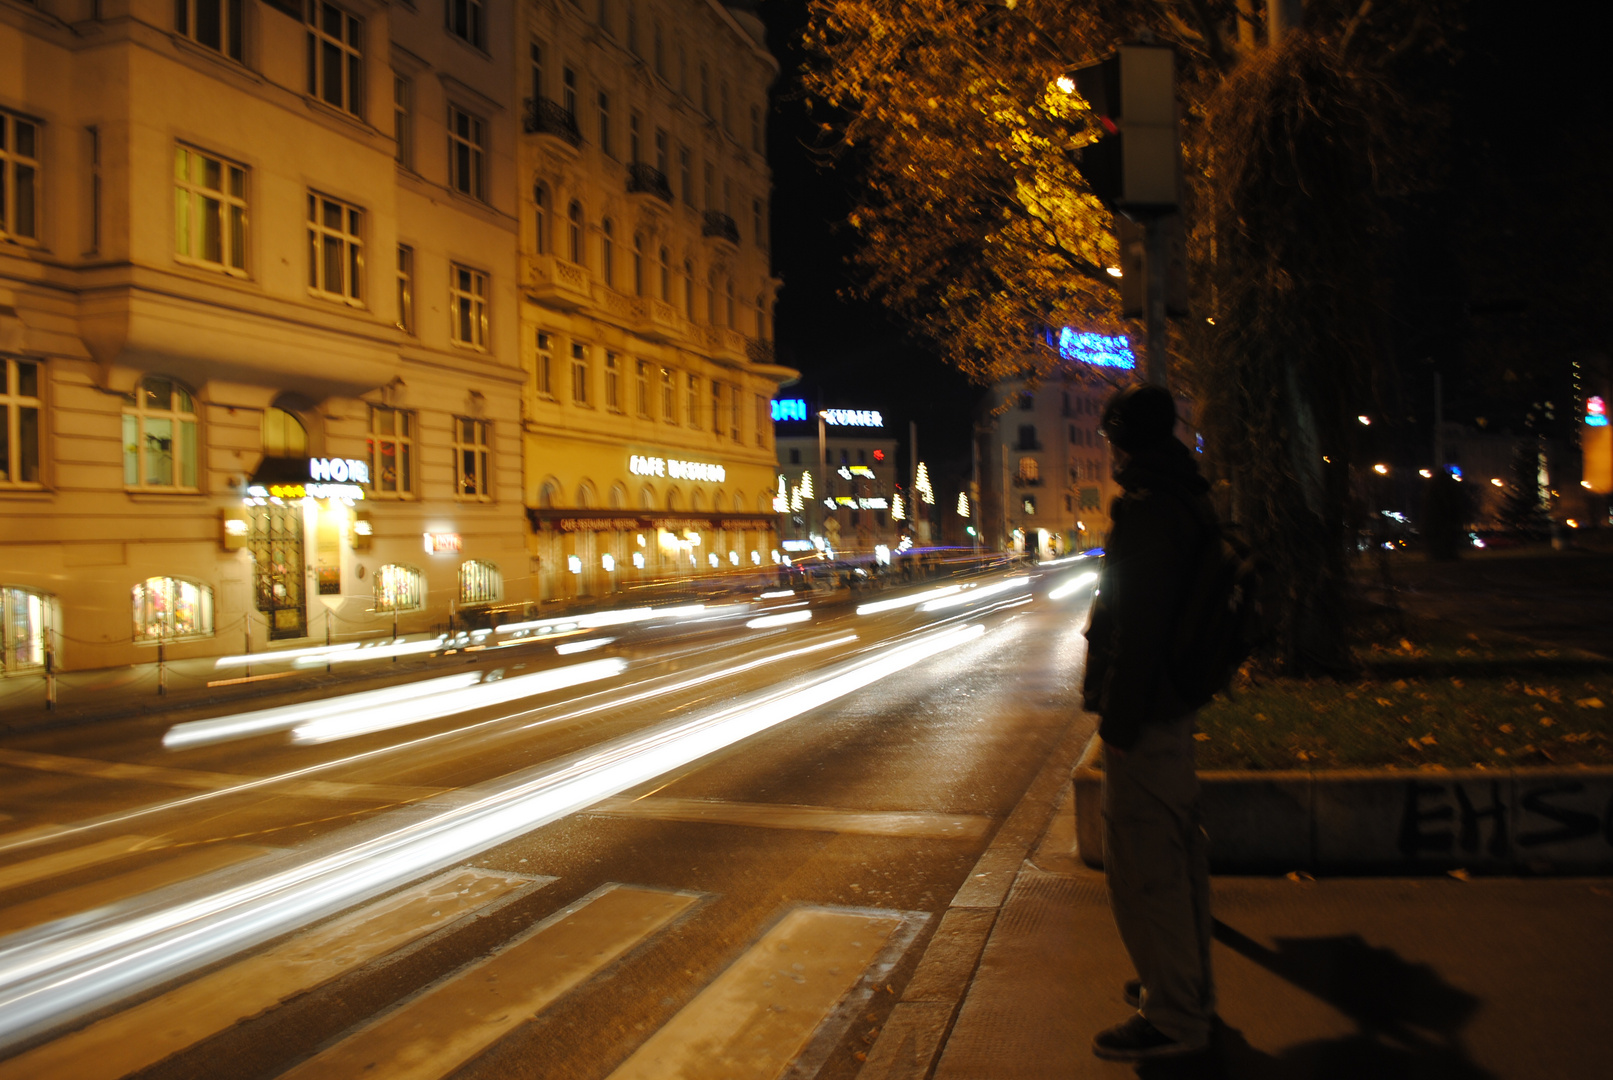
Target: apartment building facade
259,324
646,293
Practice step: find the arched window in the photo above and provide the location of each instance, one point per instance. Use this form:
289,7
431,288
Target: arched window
666,275
585,495
574,233
283,435
697,500
674,500
618,497
719,501
607,251
638,264
479,582
399,588
159,437
166,608
24,615
540,217
547,494
646,498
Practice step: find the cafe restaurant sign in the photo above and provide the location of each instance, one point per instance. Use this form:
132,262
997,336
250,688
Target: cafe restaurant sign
642,465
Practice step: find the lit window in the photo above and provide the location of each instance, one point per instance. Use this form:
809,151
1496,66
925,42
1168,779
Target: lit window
472,446
166,608
467,152
335,249
159,437
406,288
19,178
403,119
613,382
579,374
399,588
641,381
465,20
283,435
390,446
479,582
213,23
604,123
545,366
23,617
1029,471
209,210
335,57
669,407
467,306
21,406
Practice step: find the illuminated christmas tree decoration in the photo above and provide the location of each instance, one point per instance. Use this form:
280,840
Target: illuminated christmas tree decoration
963,505
898,509
922,485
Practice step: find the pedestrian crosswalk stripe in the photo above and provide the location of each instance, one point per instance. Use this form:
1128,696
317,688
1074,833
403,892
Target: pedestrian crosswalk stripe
58,863
434,1033
171,869
757,1017
919,824
153,1030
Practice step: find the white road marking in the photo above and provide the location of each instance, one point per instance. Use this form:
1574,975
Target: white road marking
434,1033
757,1017
917,824
155,1029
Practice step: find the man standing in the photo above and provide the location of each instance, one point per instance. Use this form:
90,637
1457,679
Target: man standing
1154,848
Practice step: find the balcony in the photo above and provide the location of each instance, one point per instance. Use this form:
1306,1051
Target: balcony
645,179
657,320
720,225
725,344
759,351
545,116
554,281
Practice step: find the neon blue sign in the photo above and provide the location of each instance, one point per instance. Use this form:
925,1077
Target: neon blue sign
1098,350
789,409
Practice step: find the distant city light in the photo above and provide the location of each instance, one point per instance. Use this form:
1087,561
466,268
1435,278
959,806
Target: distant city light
1365,419
1595,412
1381,470
789,409
1426,474
1065,84
1114,271
1098,350
1496,480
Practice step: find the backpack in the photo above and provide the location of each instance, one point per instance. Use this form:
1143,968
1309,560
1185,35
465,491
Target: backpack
1221,620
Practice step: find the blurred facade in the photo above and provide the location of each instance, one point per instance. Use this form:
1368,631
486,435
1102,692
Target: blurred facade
647,293
851,501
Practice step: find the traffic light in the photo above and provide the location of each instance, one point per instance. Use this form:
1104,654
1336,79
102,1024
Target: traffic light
1133,166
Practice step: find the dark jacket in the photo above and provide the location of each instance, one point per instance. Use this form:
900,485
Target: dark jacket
1159,526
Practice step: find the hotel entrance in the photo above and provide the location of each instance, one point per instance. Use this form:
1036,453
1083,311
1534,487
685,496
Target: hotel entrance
278,573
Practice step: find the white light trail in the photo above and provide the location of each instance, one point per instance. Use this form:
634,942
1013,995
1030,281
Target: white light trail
398,647
907,601
275,656
776,595
568,647
604,618
1072,585
779,620
347,724
52,974
979,592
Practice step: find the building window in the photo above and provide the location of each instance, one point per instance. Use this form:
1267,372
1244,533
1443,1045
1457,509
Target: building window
716,408
335,249
1028,504
634,124
638,264
662,154
641,388
545,372
1027,402
19,178
540,220
467,306
1027,438
406,288
535,55
466,152
465,20
733,413
399,588
660,51
403,119
669,407
711,298
22,627
472,448
20,409
213,23
758,224
710,185
688,289
604,123
579,374
479,583
613,382
94,147
692,400
632,27
159,437
335,57
166,608
666,275
209,211
283,435
756,128
762,419
728,288
1029,471
722,101
795,455
574,233
391,452
686,174
568,90
705,88
607,251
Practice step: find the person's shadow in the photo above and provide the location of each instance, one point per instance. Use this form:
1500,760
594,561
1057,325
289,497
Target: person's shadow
1410,1019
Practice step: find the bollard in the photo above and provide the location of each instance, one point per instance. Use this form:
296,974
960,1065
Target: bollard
246,621
327,641
162,668
50,677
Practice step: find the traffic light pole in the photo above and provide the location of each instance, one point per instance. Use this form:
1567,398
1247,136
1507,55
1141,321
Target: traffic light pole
1156,364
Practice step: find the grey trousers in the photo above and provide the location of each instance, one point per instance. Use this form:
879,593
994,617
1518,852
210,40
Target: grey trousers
1156,859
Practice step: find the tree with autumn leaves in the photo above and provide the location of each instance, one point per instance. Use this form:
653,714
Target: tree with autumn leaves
1301,124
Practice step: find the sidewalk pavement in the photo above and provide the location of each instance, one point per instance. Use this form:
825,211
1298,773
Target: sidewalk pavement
1336,978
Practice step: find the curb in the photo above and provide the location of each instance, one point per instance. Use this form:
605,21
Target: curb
1374,821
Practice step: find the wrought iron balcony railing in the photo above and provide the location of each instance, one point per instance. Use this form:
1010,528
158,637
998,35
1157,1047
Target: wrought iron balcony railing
544,116
759,351
720,224
650,180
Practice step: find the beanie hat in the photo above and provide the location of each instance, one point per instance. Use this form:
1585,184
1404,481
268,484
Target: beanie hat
1138,417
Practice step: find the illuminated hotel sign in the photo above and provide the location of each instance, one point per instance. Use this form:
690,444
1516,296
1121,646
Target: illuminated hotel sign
789,409
327,478
853,418
339,470
1098,350
640,465
443,543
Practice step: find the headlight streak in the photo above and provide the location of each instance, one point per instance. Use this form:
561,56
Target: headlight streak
276,656
980,592
1071,586
347,724
776,595
397,648
569,647
54,973
907,601
597,619
765,621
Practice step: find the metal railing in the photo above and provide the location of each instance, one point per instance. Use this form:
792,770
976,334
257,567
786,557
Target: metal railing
545,116
719,224
649,180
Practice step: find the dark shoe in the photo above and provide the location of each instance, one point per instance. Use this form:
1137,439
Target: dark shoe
1138,1040
1133,993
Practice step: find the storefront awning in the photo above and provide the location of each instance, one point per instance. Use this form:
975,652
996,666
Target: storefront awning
646,520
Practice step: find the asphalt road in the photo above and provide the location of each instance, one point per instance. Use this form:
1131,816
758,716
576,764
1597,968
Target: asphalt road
702,846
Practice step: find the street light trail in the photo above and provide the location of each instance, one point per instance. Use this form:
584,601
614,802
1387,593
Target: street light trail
907,601
979,592
1071,586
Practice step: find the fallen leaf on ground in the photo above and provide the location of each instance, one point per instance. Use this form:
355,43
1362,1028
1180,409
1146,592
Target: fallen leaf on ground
1507,728
1384,701
1460,875
1546,721
1299,875
1202,736
1429,740
1590,703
